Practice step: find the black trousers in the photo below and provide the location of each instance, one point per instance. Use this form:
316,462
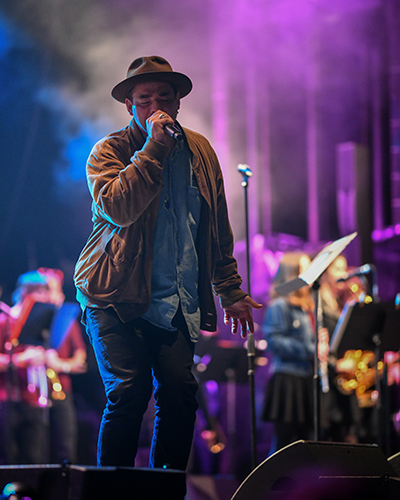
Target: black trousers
130,357
25,433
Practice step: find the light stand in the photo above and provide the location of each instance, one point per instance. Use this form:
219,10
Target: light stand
251,351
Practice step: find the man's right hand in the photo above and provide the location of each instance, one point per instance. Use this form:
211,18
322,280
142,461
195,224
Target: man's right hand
155,128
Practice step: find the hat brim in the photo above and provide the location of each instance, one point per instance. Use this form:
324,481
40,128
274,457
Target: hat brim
181,82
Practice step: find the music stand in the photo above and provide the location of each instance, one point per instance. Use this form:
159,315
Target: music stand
47,324
390,339
36,329
367,327
310,277
372,327
318,265
359,327
61,323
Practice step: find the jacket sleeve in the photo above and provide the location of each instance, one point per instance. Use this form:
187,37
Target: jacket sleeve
281,336
122,187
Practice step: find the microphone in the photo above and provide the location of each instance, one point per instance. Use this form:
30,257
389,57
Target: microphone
173,131
358,271
245,170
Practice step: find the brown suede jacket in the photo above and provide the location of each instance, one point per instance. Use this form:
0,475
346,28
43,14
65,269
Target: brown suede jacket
124,173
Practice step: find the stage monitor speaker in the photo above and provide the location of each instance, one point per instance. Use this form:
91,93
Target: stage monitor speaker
313,470
394,461
56,482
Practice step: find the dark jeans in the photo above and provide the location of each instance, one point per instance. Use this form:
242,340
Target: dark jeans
129,355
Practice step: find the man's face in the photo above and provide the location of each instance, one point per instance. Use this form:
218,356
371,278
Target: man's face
147,98
55,295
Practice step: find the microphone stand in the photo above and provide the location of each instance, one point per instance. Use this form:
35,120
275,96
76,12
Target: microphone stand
251,351
374,287
316,377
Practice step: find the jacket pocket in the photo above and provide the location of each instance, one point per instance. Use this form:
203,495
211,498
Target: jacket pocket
109,277
116,251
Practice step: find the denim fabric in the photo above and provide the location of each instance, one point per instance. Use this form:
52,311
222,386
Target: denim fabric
129,355
175,263
287,330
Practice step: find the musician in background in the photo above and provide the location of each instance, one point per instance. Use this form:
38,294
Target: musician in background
289,332
342,418
24,428
66,356
336,415
33,395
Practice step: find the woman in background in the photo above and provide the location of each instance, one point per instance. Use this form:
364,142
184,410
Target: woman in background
288,328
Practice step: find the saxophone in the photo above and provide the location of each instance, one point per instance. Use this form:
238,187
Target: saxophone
44,381
57,392
359,376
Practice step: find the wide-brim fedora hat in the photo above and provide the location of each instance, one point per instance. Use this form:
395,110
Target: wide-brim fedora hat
149,69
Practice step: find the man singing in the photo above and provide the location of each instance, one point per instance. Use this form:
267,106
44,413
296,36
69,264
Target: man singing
161,244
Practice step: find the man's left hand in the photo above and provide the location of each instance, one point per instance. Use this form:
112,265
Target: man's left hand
240,311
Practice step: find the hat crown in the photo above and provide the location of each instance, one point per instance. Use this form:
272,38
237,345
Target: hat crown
151,68
151,64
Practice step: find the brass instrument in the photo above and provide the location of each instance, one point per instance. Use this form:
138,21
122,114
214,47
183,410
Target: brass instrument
44,381
56,387
37,383
359,376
